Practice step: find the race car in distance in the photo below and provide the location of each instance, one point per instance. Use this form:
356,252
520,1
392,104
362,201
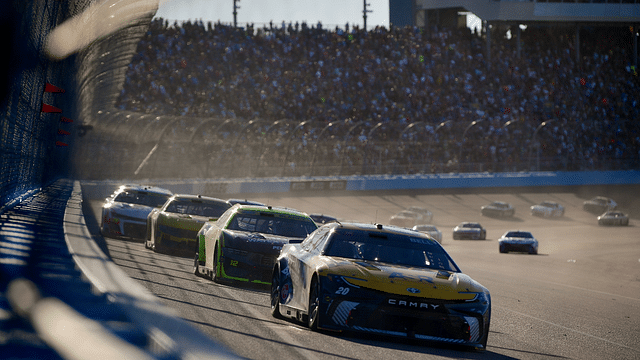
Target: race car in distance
378,279
427,216
599,205
244,243
469,230
408,218
173,228
614,217
124,213
548,209
431,230
516,240
498,209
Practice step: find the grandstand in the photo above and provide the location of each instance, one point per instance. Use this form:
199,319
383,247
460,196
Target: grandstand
136,119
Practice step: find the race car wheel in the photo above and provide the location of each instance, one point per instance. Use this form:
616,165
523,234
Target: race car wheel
533,251
196,266
275,294
314,305
502,250
485,338
214,274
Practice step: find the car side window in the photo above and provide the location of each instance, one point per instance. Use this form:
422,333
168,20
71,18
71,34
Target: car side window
312,241
171,207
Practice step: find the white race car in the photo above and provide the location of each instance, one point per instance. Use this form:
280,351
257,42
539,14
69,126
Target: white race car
124,213
430,230
519,241
548,209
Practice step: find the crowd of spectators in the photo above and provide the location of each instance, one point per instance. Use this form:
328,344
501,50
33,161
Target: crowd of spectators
474,114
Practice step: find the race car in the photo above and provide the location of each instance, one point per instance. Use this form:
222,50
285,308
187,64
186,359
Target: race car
613,218
469,230
431,230
599,205
498,209
243,244
408,218
427,216
382,280
547,209
124,213
516,240
173,228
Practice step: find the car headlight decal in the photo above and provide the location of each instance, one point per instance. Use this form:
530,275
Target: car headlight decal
476,306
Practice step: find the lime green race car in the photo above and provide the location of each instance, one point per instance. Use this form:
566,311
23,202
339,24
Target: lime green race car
172,228
243,244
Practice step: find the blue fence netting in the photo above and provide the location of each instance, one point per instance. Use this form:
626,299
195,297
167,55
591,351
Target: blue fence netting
43,104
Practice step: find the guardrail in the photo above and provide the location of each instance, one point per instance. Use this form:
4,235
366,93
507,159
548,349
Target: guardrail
166,333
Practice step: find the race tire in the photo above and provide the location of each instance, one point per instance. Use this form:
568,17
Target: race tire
533,251
314,305
196,266
502,250
486,332
275,294
214,274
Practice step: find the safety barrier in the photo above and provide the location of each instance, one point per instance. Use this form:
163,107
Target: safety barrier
61,287
421,182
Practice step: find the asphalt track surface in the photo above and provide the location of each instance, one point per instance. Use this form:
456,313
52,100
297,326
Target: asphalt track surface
579,298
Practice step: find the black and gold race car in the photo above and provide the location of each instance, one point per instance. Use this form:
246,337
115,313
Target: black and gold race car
244,243
173,228
382,280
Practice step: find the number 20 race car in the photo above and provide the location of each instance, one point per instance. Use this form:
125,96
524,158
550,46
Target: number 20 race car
382,280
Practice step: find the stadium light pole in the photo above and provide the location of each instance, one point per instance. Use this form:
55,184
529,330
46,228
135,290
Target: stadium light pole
464,134
235,13
435,135
533,141
364,13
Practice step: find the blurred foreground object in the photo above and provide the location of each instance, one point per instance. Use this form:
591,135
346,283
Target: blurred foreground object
98,20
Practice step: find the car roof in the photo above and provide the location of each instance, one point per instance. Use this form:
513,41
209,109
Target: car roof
269,208
149,188
516,232
424,226
375,228
197,197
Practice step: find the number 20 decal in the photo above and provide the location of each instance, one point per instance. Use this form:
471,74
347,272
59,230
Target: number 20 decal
342,290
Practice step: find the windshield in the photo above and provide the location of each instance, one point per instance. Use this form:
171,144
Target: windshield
519,234
390,248
275,224
142,198
199,208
